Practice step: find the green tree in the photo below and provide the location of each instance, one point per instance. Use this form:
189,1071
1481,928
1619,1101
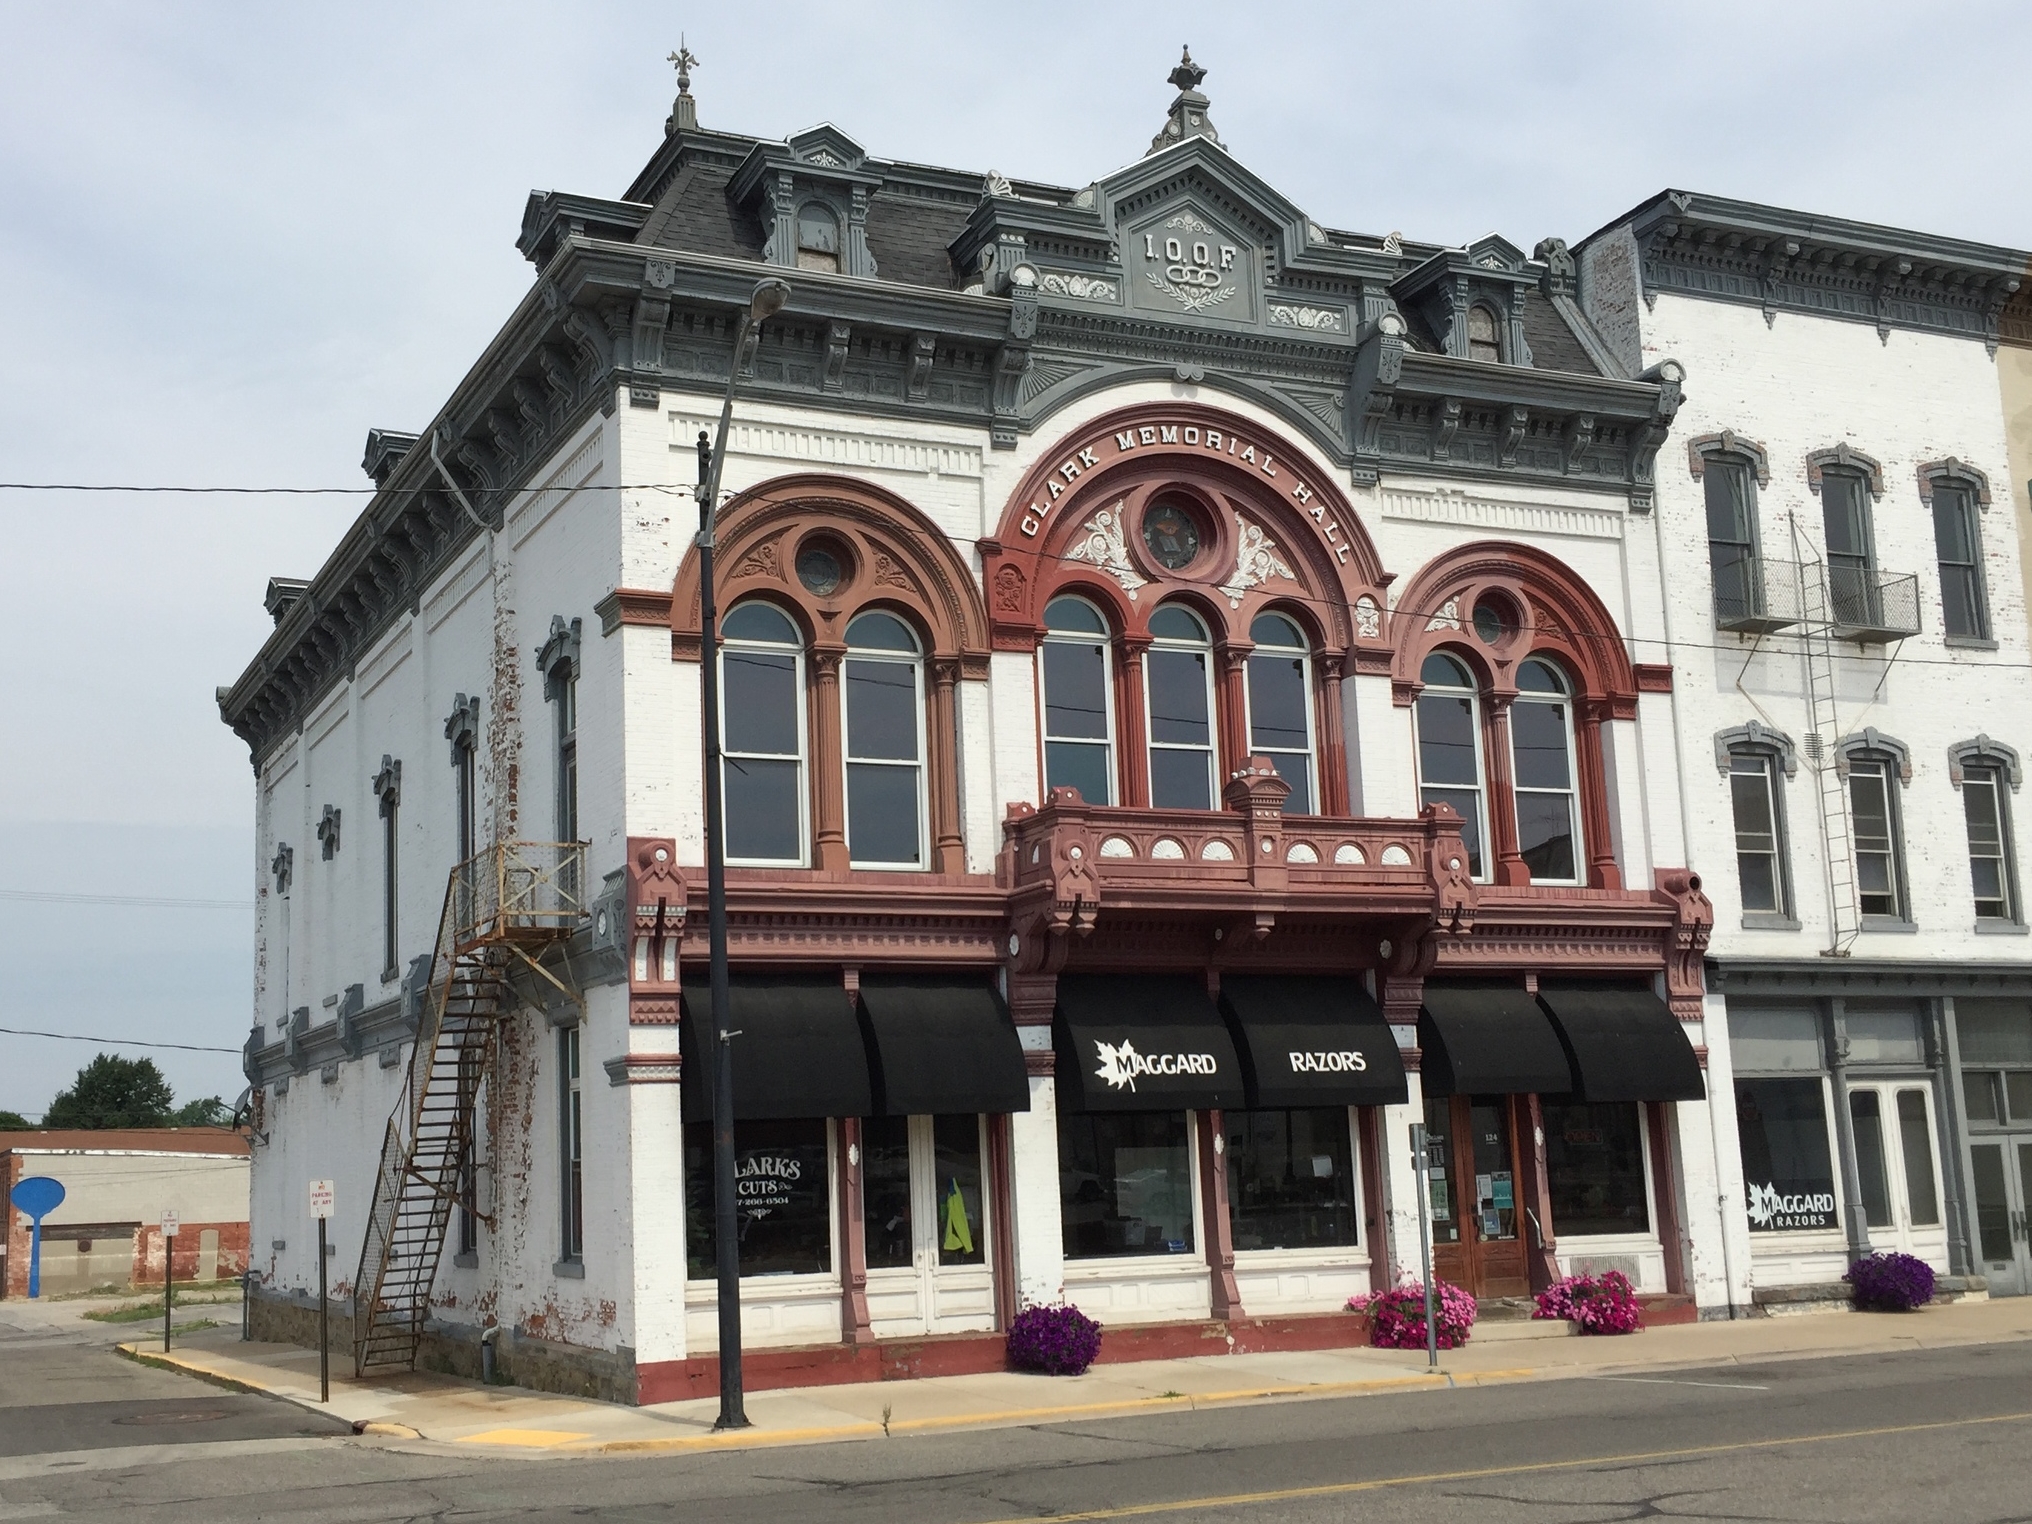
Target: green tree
209,1112
113,1092
14,1121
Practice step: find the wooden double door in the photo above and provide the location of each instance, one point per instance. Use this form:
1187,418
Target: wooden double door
1478,1198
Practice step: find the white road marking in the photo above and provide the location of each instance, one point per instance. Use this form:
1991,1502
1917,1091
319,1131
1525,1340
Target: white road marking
1720,1386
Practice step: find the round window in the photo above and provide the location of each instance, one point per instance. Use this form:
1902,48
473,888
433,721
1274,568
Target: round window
1494,621
818,568
1171,535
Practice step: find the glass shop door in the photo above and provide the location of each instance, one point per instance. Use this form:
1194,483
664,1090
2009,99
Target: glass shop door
924,1198
2002,1172
1477,1203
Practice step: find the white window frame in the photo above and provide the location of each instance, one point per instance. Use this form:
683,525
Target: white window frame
1303,652
915,661
1885,772
1571,791
1988,776
1481,785
1045,737
1767,766
1212,750
802,704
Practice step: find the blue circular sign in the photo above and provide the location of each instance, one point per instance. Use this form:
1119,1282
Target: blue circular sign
38,1195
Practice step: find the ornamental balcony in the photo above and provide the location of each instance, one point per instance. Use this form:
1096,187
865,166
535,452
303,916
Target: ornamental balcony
1066,862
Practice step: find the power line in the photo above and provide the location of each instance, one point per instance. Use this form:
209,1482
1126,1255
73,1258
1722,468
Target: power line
115,1042
155,902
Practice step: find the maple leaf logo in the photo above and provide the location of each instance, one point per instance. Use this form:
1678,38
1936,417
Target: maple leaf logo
1763,1204
1118,1064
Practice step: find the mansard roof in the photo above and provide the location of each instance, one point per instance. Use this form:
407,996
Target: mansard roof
1791,261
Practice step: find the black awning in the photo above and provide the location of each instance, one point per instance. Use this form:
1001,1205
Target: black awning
941,1045
1486,1039
797,1050
1311,1041
1625,1043
1142,1042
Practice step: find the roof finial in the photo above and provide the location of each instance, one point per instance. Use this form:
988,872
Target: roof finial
1189,112
684,114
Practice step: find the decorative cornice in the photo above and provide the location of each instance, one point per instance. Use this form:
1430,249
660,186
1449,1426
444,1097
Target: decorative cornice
1844,457
1871,742
645,606
1788,261
1956,473
1704,447
1755,737
1983,749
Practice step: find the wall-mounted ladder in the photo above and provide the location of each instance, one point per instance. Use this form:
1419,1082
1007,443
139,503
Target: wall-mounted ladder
1822,737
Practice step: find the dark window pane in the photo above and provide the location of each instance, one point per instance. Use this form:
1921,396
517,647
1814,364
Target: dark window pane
1594,1169
1495,1182
1735,584
1295,768
1446,741
1916,1136
1845,515
1291,1178
1758,876
1545,834
1125,1184
1993,1203
878,631
761,702
1467,805
760,621
1082,765
762,809
1961,604
1074,614
1447,1199
881,710
956,1190
2018,1095
1866,1118
1180,780
1788,1173
1750,793
1277,703
1953,534
781,1193
1178,696
882,814
1442,670
1538,737
1982,1095
1727,484
1075,690
885,1191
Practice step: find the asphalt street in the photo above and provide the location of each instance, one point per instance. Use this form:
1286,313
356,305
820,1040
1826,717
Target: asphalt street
1927,1435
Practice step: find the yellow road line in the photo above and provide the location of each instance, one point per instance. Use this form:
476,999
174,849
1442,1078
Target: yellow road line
1343,1489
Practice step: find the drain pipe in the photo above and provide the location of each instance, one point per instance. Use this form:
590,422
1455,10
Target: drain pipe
488,1338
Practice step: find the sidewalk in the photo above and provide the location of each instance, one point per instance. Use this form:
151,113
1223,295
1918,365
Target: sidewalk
509,1420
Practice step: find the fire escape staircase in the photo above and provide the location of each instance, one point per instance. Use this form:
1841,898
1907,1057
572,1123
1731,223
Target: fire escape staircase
501,910
1818,631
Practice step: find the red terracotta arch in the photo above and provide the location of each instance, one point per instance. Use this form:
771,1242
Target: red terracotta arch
1548,610
888,555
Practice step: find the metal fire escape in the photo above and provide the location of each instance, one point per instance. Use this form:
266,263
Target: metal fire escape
1818,632
501,909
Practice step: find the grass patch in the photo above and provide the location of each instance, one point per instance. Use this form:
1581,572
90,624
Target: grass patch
156,1362
185,1291
141,1312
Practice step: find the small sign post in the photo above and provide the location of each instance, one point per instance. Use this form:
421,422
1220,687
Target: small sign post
1421,1159
170,1223
38,1196
321,1201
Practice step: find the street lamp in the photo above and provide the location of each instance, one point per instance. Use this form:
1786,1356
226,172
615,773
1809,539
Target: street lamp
767,300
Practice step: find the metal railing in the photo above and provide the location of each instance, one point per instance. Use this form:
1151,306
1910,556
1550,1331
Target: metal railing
1867,604
518,891
1753,594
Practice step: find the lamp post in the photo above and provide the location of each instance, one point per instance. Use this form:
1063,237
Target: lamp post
768,298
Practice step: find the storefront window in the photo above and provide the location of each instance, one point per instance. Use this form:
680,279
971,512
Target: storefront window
1917,1135
1866,1116
885,1191
956,1187
1125,1184
1594,1169
1788,1173
1291,1178
780,1182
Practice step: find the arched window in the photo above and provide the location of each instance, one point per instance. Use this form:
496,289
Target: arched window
1178,674
762,726
1541,750
1079,712
1450,750
1280,707
883,712
818,238
1483,343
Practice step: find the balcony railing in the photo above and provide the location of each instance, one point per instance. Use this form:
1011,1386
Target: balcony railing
518,891
1870,605
1754,595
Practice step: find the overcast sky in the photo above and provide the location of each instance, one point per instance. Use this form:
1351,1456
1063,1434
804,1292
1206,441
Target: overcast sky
235,237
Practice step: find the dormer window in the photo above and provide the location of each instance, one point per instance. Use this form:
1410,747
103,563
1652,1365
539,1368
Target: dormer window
818,238
1483,343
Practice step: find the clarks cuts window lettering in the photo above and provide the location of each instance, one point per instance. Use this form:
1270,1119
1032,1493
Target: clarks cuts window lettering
763,1182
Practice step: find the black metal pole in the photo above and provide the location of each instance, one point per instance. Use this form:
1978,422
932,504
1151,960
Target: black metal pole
726,1222
324,1322
168,1258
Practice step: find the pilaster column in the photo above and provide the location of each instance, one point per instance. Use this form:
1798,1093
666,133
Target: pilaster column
854,1326
948,846
1542,1242
1132,725
1330,740
1508,866
828,772
1856,1224
1672,1237
1231,696
1592,784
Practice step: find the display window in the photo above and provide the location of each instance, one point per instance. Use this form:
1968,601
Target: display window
1788,1170
1291,1178
1125,1183
783,1197
1594,1168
